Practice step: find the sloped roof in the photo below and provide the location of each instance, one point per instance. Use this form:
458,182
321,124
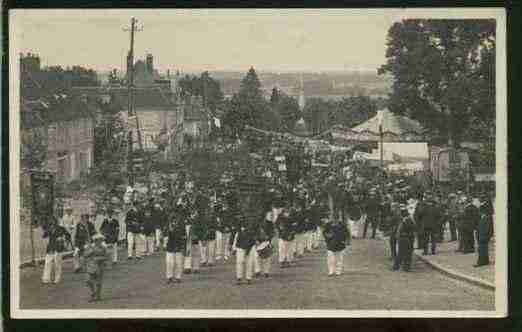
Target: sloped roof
391,124
53,109
300,128
144,97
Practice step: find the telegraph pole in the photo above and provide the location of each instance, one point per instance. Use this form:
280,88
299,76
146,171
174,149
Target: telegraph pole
130,75
130,85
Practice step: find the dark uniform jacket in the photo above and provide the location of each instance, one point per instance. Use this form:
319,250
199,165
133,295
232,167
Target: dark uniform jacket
198,230
110,228
267,230
246,238
391,223
148,220
132,221
58,239
354,208
406,229
372,206
159,218
336,236
428,216
470,218
299,218
177,237
83,235
284,228
485,228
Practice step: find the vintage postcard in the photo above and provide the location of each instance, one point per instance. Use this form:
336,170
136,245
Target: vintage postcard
182,163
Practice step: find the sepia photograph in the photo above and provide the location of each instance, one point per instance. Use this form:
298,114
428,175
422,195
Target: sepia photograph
198,163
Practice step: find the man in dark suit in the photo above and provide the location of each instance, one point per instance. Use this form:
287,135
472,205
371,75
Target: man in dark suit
405,235
485,231
132,222
469,221
336,236
176,244
372,211
58,237
84,232
428,219
110,229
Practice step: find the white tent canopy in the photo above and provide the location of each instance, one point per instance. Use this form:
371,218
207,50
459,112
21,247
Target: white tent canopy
391,124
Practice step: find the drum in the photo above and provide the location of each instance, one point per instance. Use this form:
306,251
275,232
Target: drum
264,250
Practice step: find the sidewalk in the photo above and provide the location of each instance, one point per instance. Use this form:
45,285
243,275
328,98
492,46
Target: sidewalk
460,266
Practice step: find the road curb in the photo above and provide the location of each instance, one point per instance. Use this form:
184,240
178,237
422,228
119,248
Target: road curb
65,255
457,275
41,260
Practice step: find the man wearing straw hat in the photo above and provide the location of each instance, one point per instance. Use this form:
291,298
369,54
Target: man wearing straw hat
68,220
96,256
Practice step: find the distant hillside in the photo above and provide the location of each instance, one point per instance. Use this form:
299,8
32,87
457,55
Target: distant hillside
328,83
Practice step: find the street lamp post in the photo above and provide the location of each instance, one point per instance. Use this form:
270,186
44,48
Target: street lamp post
381,139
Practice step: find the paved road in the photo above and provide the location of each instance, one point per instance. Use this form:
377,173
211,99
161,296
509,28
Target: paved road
367,284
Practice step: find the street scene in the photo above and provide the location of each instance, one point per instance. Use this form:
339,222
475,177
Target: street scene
249,163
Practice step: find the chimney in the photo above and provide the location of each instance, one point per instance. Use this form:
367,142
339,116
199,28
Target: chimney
149,63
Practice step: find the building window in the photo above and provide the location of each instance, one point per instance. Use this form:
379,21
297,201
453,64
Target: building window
84,167
62,168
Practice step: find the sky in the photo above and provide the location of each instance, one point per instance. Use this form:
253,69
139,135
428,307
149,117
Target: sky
219,39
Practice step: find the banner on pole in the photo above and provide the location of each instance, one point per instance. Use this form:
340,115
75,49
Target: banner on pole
43,197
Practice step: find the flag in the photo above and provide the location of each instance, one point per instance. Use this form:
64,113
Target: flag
43,197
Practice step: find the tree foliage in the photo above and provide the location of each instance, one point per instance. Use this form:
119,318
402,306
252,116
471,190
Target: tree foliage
321,114
203,86
286,107
109,137
443,74
249,107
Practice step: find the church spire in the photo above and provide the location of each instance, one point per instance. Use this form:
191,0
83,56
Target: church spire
301,100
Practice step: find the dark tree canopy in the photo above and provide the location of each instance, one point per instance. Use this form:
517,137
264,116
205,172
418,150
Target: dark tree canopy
443,74
321,114
286,108
249,107
203,86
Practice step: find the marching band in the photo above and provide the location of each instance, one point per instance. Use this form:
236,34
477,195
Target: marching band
201,225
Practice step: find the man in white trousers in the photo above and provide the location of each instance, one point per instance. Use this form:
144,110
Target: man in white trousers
191,261
335,233
82,236
285,238
245,251
146,241
159,217
176,245
110,229
133,229
225,230
58,238
263,252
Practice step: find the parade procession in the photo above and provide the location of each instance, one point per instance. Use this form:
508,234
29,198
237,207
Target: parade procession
157,188
261,219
